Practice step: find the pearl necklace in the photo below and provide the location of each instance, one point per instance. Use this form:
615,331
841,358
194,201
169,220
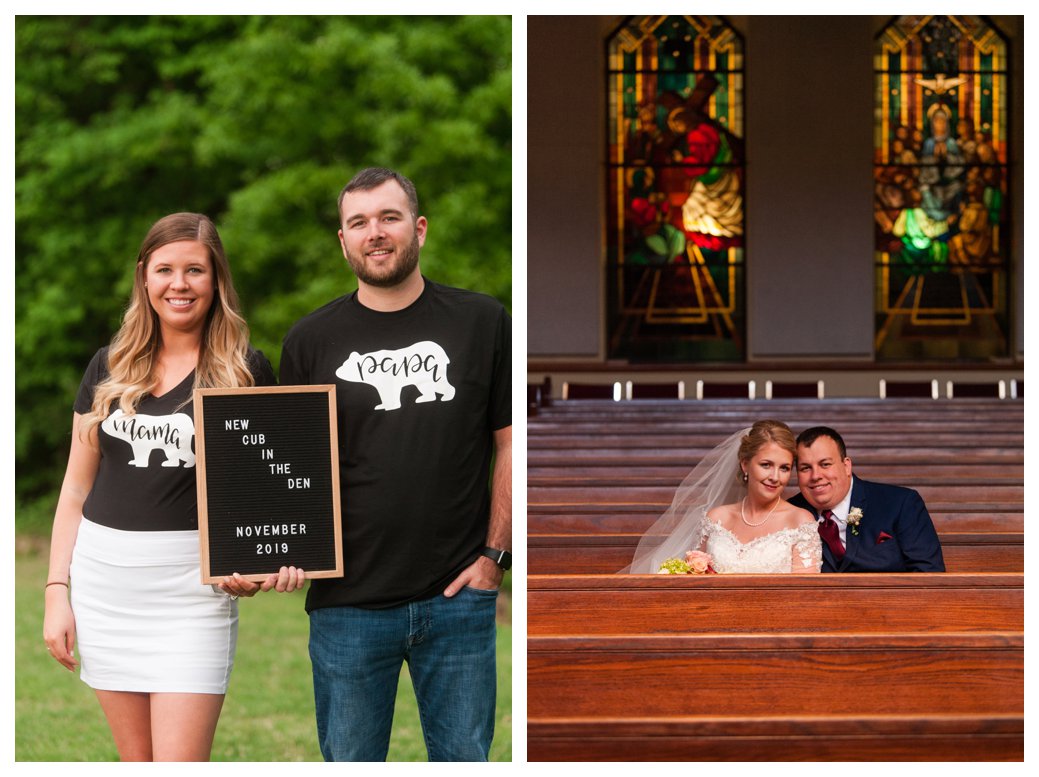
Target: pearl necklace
744,518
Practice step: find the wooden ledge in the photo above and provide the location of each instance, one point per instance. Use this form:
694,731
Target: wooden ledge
871,580
628,539
835,642
826,726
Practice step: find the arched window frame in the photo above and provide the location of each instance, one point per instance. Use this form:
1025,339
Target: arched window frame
941,206
675,191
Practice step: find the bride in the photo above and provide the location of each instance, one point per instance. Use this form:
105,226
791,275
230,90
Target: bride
731,506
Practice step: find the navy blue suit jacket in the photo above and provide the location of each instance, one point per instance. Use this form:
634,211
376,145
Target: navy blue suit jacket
896,533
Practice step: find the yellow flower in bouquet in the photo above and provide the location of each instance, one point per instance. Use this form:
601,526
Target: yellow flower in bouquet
673,566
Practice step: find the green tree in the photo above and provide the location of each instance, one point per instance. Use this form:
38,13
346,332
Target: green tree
257,122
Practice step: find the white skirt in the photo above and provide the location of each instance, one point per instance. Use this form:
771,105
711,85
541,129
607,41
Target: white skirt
144,620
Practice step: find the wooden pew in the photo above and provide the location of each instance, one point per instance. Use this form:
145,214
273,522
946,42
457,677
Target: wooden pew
603,554
790,738
862,427
786,674
650,668
753,692
881,434
640,456
672,474
637,518
694,604
625,667
860,432
673,428
612,492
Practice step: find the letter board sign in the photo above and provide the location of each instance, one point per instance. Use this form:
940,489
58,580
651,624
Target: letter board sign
268,481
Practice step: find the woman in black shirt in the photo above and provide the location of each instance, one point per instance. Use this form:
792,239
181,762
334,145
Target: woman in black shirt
156,644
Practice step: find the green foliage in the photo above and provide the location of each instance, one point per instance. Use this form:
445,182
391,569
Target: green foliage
257,122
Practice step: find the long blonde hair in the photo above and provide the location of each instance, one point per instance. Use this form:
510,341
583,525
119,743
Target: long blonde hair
223,354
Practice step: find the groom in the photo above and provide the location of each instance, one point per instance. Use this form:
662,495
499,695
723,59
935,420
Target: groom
865,527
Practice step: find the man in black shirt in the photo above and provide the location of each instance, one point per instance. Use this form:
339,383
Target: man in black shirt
422,375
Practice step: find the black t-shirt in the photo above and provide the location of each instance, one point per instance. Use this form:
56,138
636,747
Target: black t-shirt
146,478
419,394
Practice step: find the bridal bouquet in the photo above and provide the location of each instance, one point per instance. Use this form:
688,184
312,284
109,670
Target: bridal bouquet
696,563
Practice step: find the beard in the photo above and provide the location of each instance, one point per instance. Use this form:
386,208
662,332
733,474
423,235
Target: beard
392,275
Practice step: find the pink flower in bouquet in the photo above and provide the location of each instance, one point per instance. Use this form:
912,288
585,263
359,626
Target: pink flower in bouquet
699,562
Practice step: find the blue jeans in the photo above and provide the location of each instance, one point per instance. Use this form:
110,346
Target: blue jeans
449,645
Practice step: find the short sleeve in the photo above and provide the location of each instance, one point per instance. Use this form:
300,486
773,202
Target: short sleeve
807,554
288,371
500,406
260,367
94,374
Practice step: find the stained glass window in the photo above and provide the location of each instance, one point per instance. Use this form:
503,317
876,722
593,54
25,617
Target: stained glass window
940,196
675,237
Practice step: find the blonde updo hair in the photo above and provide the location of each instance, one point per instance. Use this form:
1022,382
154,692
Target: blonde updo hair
760,435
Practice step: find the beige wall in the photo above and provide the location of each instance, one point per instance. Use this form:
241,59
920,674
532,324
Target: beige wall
565,142
809,119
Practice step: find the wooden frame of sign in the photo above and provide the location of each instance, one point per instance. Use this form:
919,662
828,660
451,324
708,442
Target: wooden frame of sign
267,463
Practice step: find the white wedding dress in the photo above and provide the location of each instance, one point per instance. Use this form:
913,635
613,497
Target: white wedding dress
796,549
684,526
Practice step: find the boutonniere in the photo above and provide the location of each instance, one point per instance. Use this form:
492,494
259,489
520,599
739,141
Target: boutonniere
854,519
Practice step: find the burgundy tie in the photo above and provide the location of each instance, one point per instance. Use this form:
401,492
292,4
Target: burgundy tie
831,535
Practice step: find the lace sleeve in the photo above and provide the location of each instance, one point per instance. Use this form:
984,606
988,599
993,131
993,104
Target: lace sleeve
700,539
807,553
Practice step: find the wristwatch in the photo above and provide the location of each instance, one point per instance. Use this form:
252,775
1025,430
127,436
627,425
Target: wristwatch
500,557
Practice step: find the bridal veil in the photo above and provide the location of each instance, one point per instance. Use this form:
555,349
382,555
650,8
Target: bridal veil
714,481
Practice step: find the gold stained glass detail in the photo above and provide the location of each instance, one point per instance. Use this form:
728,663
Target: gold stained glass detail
675,199
941,190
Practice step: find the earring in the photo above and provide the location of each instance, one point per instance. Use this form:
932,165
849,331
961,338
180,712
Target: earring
746,477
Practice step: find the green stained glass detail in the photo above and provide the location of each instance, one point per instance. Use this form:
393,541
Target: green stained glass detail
940,190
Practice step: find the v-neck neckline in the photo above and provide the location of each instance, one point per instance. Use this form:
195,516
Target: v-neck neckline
190,375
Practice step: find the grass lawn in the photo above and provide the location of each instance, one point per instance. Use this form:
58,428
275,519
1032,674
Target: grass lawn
269,711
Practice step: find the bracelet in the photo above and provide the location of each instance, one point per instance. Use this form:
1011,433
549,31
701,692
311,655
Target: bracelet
56,582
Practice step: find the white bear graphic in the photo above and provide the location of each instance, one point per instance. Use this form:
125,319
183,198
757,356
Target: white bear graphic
171,434
423,365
